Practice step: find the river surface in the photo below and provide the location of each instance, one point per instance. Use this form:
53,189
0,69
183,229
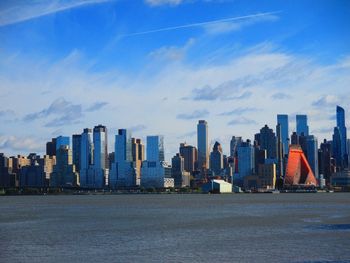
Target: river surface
176,228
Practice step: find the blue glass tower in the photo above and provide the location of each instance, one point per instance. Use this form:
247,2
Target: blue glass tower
282,119
302,127
123,146
62,141
343,135
155,148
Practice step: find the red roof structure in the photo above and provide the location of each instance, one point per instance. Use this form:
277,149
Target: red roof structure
298,170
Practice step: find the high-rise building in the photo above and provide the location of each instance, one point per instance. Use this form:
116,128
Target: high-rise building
324,158
336,148
155,172
138,156
100,156
123,172
234,143
190,155
86,159
203,145
64,174
343,135
216,159
302,127
282,119
312,153
181,177
33,175
51,147
155,148
280,155
267,141
294,139
76,140
246,162
7,176
62,141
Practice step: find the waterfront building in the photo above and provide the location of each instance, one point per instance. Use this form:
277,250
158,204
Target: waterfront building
298,172
138,156
324,157
33,175
181,177
246,162
86,159
312,153
336,148
100,166
217,186
203,146
216,160
343,137
190,155
64,174
76,148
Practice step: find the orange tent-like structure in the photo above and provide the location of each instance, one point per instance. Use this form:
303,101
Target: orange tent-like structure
298,170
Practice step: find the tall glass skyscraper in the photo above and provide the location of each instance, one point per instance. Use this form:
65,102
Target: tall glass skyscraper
62,141
312,153
123,149
343,135
203,144
155,148
86,158
302,126
100,155
282,119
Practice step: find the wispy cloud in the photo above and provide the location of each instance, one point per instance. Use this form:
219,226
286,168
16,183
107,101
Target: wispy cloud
281,96
14,143
202,24
18,11
64,111
96,106
137,128
163,2
239,111
242,121
193,115
326,101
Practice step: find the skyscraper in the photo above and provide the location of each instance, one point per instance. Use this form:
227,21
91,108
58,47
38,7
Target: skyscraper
123,173
189,153
280,154
76,150
302,127
86,159
343,135
64,173
282,119
203,145
324,157
336,147
51,147
155,148
100,156
312,153
216,159
246,162
267,141
181,177
62,141
234,143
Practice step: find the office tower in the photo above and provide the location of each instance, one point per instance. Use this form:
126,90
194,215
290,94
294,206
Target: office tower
312,153
16,163
348,150
76,151
267,176
138,156
181,177
343,135
123,172
100,156
260,156
7,176
234,143
51,147
64,174
267,141
294,139
216,160
155,172
86,159
246,162
302,127
282,119
155,148
62,141
279,151
324,160
190,154
203,146
33,175
336,148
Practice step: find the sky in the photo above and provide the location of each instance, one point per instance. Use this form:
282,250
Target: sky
158,66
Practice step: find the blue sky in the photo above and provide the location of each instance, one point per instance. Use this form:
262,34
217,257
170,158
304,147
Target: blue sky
157,66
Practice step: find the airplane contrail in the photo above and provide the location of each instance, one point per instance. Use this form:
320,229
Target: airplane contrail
199,24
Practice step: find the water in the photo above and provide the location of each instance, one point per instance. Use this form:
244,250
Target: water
176,228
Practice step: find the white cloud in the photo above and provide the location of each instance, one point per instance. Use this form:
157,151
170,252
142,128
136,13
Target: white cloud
18,11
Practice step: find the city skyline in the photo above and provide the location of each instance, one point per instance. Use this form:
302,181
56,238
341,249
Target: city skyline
79,64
